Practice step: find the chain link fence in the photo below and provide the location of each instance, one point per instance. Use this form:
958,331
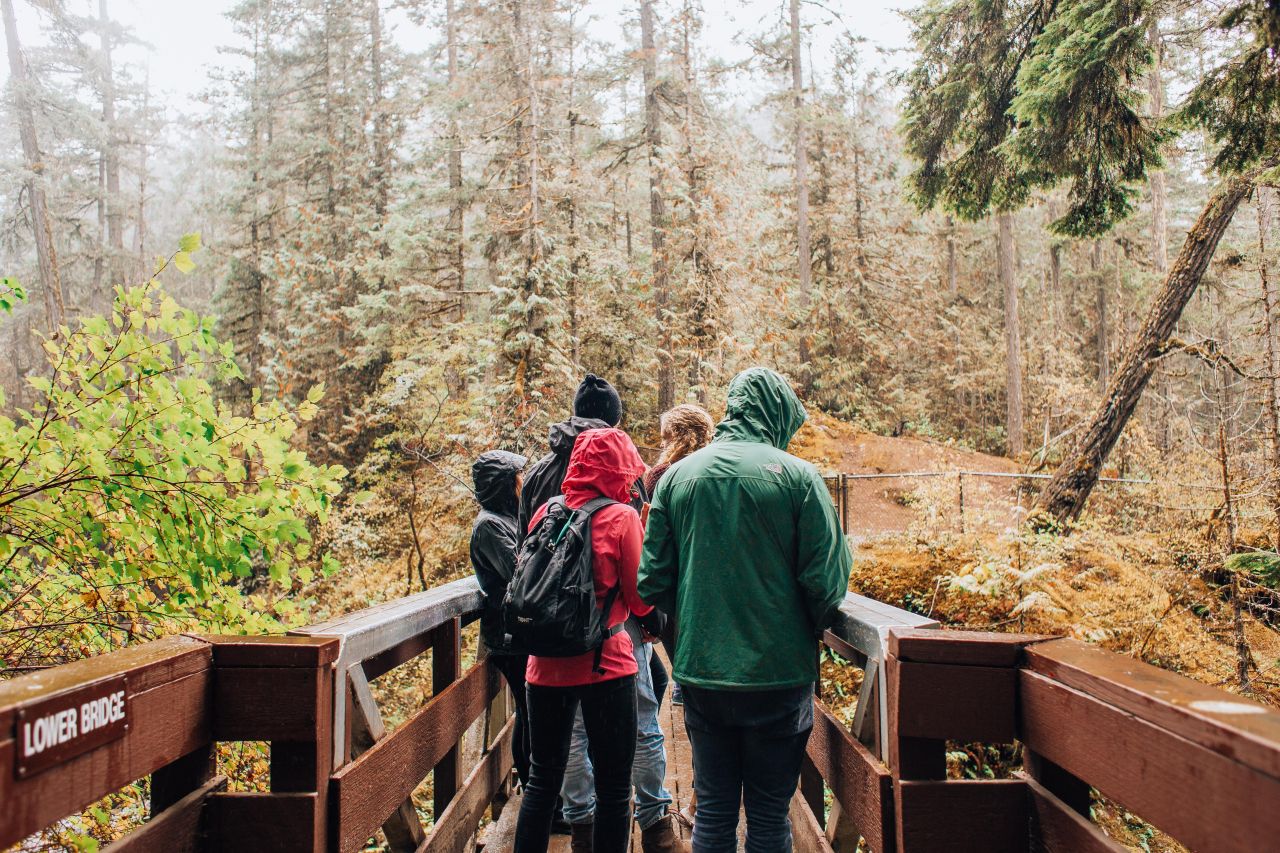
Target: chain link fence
933,503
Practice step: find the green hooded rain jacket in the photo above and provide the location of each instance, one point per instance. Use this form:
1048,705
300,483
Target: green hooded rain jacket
744,548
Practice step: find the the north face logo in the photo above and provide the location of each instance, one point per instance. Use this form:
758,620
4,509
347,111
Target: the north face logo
773,467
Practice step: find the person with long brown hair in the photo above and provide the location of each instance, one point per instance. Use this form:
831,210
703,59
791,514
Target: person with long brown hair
685,429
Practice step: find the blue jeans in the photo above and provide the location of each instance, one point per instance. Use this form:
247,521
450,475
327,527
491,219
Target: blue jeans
649,770
747,749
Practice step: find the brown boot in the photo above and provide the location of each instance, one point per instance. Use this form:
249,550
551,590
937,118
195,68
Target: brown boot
662,837
580,840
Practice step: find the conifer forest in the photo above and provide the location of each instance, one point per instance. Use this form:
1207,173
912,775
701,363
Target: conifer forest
258,320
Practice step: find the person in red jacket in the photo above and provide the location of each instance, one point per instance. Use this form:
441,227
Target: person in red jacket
604,462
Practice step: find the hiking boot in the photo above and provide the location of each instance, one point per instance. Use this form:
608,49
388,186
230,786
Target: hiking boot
580,840
662,837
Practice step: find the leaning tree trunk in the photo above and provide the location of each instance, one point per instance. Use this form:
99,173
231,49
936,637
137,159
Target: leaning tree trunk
46,257
1065,495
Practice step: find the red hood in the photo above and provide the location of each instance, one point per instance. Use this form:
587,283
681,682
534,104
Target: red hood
603,462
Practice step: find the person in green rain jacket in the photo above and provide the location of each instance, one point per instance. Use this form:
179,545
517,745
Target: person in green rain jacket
744,548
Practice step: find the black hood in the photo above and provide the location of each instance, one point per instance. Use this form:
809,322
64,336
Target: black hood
494,475
562,436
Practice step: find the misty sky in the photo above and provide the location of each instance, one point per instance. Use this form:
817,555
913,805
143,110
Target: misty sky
182,37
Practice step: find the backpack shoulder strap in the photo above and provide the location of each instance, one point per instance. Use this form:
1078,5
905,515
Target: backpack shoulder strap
594,504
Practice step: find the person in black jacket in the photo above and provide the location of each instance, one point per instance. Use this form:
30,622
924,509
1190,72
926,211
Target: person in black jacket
596,405
496,475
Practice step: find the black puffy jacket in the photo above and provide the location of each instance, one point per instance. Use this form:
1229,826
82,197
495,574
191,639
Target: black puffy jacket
493,538
545,478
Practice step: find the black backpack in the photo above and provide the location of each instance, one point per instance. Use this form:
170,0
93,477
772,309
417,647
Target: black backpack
550,607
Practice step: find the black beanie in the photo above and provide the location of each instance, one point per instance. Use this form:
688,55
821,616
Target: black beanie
596,398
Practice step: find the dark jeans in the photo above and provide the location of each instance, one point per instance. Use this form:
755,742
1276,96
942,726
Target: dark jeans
512,668
747,749
609,715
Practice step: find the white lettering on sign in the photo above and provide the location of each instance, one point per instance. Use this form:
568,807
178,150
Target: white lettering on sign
53,730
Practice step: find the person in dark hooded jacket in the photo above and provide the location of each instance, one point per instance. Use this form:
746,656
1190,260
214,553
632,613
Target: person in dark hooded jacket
596,405
496,476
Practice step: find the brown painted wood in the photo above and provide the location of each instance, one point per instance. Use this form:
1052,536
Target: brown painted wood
280,823
176,829
1058,828
857,779
910,757
171,719
176,780
1070,789
967,648
1219,721
366,791
406,650
267,703
403,829
807,835
457,824
811,789
963,703
446,668
146,666
962,817
271,650
1204,799
844,648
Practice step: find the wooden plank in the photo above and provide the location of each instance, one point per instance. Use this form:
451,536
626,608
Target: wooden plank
281,823
267,703
989,816
403,829
446,667
864,623
179,778
909,757
406,650
967,648
270,650
857,779
806,834
1206,800
457,824
1058,828
1219,721
1066,787
366,791
844,649
176,829
963,703
146,666
169,720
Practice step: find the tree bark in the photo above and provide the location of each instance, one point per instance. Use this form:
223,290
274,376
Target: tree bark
1065,495
1159,214
456,223
1271,335
804,258
111,149
1012,335
953,278
46,256
657,209
1102,335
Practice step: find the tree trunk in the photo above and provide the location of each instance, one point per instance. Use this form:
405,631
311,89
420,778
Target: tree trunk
575,255
140,227
657,209
111,151
953,278
46,256
1159,215
1065,495
804,259
1102,337
381,153
1012,335
1271,336
456,224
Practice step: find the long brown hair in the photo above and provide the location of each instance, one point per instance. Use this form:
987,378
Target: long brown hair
685,428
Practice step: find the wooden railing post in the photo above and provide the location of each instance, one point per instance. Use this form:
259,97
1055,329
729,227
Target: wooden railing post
446,668
960,686
276,689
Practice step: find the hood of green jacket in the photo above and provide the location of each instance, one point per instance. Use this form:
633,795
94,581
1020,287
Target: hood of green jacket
761,407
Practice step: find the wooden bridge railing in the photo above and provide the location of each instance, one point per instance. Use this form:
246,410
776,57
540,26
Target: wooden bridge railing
1196,762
